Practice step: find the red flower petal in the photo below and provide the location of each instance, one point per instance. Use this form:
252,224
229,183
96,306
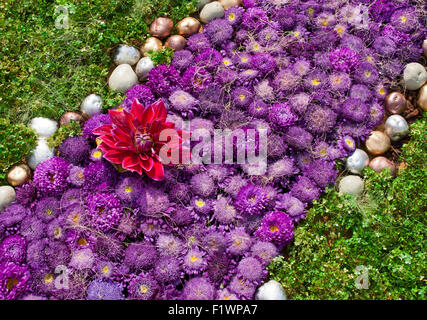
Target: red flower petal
146,164
156,172
137,110
105,129
159,110
147,116
130,161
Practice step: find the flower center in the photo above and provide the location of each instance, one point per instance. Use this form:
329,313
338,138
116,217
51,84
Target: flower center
144,289
82,242
57,232
48,212
11,283
194,259
128,189
97,154
231,17
274,228
105,269
143,141
48,278
52,177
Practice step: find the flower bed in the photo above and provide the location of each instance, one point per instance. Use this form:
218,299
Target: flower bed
314,76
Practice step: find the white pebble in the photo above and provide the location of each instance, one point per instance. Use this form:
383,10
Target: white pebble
122,78
211,11
357,161
351,185
414,76
43,126
91,105
126,54
271,290
143,67
202,3
7,196
41,153
227,4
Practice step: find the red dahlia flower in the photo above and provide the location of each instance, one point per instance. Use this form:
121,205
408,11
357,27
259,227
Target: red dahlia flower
134,139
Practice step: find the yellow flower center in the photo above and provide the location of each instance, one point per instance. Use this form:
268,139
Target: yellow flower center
48,278
381,91
256,47
98,141
57,232
367,74
323,152
226,62
237,242
349,142
105,269
231,17
144,289
242,97
128,189
244,59
119,109
403,19
274,228
296,34
49,212
200,203
324,22
82,242
315,82
310,11
97,154
194,259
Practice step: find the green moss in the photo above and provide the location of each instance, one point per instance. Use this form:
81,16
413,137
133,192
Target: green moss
71,130
16,141
162,57
383,231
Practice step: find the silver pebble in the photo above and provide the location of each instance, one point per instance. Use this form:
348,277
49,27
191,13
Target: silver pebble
92,105
271,290
126,54
357,161
396,127
143,67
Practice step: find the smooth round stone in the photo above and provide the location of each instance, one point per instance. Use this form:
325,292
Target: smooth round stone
202,3
395,103
188,26
123,78
227,4
378,143
143,67
396,127
211,11
380,163
422,98
91,105
67,117
414,75
41,153
151,44
161,27
126,54
7,196
44,127
351,185
18,175
357,161
176,42
271,290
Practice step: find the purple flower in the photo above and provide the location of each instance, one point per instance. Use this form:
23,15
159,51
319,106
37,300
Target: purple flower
13,214
239,241
75,150
251,199
167,269
276,227
219,31
95,122
343,59
14,280
48,209
298,137
140,255
182,60
242,97
242,288
104,211
26,194
202,184
50,176
140,92
82,259
104,290
404,20
198,42
340,81
198,288
254,19
264,251
304,189
322,172
282,116
354,110
361,92
196,79
76,176
169,245
251,269
208,59
163,79
182,101
224,211
143,287
129,189
366,73
194,261
13,249
264,62
319,120
233,16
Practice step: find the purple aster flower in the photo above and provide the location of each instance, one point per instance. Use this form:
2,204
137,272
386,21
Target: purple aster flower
348,143
76,176
75,215
242,97
56,254
299,102
75,150
282,168
404,20
258,108
48,209
301,67
208,59
282,116
219,31
167,269
70,197
182,60
304,189
353,42
366,73
56,229
198,42
276,227
286,17
384,46
98,174
202,184
233,15
224,211
104,211
251,269
264,251
104,290
26,194
246,76
241,36
340,81
251,199
82,259
285,80
14,280
140,92
169,245
316,81
182,216
193,262
13,214
154,202
95,122
225,294
376,115
242,60
242,288
198,288
319,119
254,19
239,241
196,79
180,193
343,59
226,76
32,228
163,79
298,137
361,92
96,155
50,176
354,110
398,37
104,268
13,249
202,206
264,62
321,171
268,36
129,189
143,287
182,101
